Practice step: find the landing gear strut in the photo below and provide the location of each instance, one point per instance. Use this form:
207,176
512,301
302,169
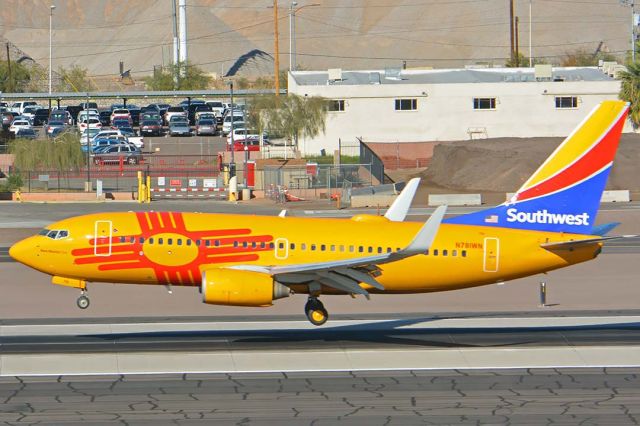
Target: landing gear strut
83,301
316,313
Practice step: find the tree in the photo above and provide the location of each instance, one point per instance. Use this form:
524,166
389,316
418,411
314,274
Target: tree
523,61
19,79
583,58
630,90
62,154
75,79
191,77
290,116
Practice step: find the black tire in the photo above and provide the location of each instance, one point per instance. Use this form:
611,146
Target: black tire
83,302
316,312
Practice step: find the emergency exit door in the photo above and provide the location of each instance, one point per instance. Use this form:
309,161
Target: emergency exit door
103,231
491,255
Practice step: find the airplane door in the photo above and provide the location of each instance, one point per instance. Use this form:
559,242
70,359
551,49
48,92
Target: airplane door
491,254
102,238
282,248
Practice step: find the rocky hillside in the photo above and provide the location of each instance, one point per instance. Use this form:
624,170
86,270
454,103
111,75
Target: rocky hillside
98,34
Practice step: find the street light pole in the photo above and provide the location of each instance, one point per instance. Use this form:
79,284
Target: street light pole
633,27
530,43
232,163
291,33
51,9
88,186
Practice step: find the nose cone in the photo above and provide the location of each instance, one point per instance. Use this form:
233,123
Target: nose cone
22,251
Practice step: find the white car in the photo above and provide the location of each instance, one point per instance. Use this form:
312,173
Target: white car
30,111
241,133
121,113
106,133
226,123
94,123
20,106
217,107
19,124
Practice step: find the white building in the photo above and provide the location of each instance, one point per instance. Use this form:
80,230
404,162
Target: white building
451,104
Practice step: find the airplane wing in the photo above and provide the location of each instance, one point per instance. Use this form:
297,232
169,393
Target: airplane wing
346,274
570,245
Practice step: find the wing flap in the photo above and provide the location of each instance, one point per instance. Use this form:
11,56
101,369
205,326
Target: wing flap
570,245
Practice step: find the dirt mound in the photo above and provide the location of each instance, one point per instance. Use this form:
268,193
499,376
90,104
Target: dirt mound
503,164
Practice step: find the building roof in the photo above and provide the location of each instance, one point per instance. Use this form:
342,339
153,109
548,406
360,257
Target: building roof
443,76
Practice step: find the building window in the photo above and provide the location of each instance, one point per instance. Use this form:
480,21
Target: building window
566,102
336,105
406,104
484,103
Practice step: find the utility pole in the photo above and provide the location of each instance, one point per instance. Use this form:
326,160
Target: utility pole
176,46
10,86
511,30
530,48
517,43
276,59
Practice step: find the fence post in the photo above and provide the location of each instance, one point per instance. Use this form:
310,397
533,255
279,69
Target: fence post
543,294
29,179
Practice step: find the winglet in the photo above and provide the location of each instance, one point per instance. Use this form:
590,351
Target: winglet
424,238
283,213
400,207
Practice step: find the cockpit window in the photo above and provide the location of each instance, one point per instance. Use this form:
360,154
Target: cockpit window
54,234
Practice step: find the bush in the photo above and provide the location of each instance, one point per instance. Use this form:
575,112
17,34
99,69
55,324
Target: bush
13,183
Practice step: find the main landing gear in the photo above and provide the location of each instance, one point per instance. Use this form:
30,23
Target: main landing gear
83,301
316,312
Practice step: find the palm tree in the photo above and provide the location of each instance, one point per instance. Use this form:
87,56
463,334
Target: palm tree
630,91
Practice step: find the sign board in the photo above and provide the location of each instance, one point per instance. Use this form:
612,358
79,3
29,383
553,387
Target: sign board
175,182
161,181
193,182
209,183
312,169
43,178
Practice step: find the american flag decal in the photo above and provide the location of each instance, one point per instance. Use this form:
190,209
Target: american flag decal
491,218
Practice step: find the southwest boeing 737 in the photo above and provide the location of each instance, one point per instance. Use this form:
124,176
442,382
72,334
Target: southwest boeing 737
548,224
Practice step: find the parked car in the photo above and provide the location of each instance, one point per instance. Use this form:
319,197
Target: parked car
99,143
41,116
88,105
194,108
120,122
135,114
92,122
51,128
30,112
26,133
150,127
128,152
7,119
179,126
61,115
20,106
206,126
226,123
172,112
249,137
217,108
132,136
105,117
151,115
121,113
19,123
83,134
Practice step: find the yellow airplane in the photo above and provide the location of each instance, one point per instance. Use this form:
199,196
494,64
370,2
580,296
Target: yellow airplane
253,260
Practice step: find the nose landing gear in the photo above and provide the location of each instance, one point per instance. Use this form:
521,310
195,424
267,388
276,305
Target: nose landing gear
83,301
316,312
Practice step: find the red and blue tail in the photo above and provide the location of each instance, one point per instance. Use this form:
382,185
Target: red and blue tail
563,195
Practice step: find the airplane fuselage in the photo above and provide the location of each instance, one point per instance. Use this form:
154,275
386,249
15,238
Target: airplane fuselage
174,248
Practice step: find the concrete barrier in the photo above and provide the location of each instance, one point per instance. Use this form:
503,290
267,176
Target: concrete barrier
621,196
372,200
455,199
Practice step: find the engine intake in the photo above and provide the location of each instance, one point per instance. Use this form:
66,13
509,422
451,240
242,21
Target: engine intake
240,288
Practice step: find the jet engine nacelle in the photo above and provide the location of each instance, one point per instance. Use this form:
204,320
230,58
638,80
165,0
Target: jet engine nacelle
240,288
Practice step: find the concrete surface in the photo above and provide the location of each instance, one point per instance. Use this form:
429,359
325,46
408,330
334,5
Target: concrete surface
455,199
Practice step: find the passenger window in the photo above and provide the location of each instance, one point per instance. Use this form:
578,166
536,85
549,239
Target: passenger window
141,240
379,249
323,247
313,247
426,252
454,253
435,252
216,243
464,253
123,239
132,240
198,242
352,249
445,252
235,244
188,242
370,249
151,240
342,248
207,243
360,249
271,245
169,241
389,250
262,245
160,241
254,244
280,245
246,244
179,241
303,246
293,246
333,247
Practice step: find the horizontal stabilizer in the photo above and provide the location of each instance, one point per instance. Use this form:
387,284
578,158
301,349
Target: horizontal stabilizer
570,245
604,229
